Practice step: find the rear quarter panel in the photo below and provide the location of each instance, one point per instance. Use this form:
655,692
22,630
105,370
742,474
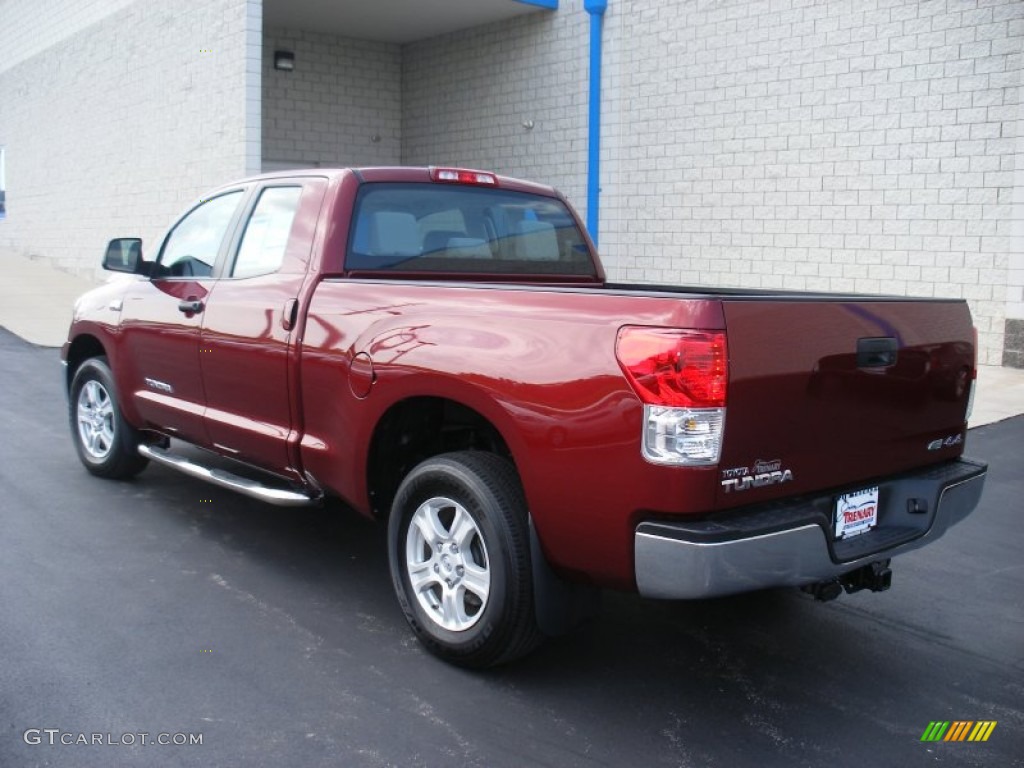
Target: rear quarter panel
539,364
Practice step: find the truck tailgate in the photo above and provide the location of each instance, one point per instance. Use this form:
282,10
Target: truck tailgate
833,393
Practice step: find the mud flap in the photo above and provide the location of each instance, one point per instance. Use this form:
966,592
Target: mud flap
560,605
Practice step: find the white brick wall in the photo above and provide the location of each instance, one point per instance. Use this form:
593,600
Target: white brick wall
801,144
1015,264
821,145
342,94
119,125
253,86
466,96
838,145
28,27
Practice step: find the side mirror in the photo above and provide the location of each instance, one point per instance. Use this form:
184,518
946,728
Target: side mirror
124,255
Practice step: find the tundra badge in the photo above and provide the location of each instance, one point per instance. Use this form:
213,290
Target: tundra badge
763,473
159,386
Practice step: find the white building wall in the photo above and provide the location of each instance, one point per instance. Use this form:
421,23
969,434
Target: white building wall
127,114
861,146
28,28
838,146
340,106
1013,347
467,96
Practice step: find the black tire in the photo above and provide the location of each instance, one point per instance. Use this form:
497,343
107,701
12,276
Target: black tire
107,445
486,487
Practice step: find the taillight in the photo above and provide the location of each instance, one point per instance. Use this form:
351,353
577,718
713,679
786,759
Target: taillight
974,378
463,176
681,376
673,367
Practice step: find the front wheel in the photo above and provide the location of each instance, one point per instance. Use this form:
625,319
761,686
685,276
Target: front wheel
459,551
107,445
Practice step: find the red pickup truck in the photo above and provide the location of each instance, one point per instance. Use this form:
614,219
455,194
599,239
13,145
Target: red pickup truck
439,349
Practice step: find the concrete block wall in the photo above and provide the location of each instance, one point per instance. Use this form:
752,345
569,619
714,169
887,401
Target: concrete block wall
340,106
31,26
127,114
1013,351
1013,347
868,145
864,146
467,95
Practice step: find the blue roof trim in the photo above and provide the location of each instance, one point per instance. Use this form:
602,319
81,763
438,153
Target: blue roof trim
549,4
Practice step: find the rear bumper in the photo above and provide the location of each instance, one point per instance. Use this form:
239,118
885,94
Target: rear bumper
790,543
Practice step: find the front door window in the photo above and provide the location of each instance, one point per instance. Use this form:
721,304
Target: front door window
191,248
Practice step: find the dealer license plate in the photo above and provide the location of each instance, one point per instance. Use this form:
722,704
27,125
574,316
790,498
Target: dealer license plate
856,513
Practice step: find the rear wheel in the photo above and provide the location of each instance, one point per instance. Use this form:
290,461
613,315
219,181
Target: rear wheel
107,445
459,550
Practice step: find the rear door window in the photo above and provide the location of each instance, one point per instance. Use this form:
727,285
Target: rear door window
262,249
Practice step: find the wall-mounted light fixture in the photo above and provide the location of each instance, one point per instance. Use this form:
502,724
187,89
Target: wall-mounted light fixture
284,61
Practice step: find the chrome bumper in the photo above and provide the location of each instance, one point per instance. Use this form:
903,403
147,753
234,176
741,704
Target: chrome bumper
789,544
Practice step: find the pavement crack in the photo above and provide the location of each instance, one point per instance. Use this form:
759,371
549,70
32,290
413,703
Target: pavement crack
313,640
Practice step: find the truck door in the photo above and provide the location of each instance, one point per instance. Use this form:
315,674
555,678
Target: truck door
248,344
161,319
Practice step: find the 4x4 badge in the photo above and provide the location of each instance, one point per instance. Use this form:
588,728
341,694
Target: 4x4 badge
949,442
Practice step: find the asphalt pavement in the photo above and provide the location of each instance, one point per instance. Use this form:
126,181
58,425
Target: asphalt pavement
166,606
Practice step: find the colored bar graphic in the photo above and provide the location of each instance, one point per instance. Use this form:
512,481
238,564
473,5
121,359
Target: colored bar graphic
958,730
982,730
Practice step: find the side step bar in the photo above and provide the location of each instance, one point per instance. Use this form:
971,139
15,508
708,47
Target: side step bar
282,497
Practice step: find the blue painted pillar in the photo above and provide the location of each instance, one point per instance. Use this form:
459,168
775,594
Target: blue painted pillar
596,9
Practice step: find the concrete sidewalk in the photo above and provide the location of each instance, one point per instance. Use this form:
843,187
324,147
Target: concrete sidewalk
36,302
1000,395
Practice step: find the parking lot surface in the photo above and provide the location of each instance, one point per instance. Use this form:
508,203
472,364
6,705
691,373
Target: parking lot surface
168,607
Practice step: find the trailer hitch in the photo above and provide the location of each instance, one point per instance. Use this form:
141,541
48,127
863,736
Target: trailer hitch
875,576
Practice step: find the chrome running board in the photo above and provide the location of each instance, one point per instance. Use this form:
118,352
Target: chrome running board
282,497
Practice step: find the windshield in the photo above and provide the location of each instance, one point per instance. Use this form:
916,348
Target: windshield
452,228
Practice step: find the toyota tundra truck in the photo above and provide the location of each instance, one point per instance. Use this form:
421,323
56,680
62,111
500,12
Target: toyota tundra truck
440,350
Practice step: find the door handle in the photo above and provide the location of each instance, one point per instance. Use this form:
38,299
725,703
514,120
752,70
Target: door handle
290,314
192,305
877,353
